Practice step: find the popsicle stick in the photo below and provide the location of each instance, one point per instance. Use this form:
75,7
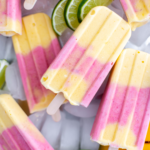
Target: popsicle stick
29,4
103,147
55,104
112,148
57,116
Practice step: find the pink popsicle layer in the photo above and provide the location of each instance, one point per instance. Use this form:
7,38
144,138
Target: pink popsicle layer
16,131
32,66
15,139
121,111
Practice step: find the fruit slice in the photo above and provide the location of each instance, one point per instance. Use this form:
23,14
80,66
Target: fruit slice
71,11
86,5
3,65
58,20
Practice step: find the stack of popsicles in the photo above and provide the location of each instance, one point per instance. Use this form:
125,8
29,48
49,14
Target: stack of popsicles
77,73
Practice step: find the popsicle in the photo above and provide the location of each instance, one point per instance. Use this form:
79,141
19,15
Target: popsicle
35,49
16,131
86,59
123,116
10,17
147,140
137,12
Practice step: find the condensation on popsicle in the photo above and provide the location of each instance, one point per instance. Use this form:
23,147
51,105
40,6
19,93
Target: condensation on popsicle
86,59
35,49
16,131
123,116
137,12
10,17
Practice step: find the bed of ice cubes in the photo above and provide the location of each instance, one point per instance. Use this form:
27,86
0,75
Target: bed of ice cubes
73,131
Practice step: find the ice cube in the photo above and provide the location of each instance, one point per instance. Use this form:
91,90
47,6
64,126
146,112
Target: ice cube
4,92
51,130
116,4
53,3
43,6
146,48
65,36
38,119
7,51
86,126
117,8
80,111
131,45
140,35
14,82
3,41
70,137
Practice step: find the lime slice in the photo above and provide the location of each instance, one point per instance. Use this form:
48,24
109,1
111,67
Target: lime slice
71,11
3,65
86,5
58,20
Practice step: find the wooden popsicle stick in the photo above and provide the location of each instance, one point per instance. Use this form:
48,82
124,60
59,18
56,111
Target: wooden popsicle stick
29,4
107,148
103,147
57,116
55,104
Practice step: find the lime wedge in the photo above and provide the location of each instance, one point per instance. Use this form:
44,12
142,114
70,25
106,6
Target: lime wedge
3,65
71,11
86,5
58,20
